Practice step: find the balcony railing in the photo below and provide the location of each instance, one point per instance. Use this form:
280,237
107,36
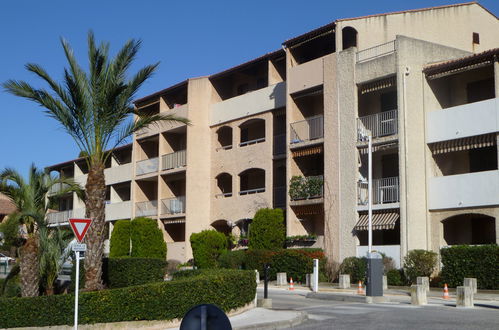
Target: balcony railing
224,195
173,205
377,125
279,144
148,208
57,188
59,217
306,187
309,129
254,141
384,191
279,196
376,51
147,166
251,191
174,160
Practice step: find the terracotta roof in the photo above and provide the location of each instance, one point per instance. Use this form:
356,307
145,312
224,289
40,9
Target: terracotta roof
6,206
474,59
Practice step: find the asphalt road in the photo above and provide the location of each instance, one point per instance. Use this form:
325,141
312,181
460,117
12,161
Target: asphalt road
325,314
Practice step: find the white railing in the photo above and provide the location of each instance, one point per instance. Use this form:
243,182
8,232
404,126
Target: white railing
147,166
59,217
174,160
173,205
279,144
148,208
223,195
377,125
254,141
384,191
279,196
309,129
376,51
57,188
251,191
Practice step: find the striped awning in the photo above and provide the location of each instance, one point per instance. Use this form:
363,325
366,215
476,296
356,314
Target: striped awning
308,209
380,221
378,85
472,142
307,151
173,221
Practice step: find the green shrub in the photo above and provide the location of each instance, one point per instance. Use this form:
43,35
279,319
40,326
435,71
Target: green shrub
394,277
419,263
124,272
232,259
147,239
355,267
188,273
207,246
120,239
228,289
293,263
12,287
256,259
480,262
268,231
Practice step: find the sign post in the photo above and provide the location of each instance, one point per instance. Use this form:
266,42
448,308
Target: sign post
79,227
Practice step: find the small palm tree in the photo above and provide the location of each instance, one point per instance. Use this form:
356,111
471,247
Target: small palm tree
95,109
32,202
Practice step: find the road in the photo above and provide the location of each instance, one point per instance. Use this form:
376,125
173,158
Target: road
324,314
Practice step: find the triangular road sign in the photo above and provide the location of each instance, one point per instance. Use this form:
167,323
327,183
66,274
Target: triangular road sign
80,227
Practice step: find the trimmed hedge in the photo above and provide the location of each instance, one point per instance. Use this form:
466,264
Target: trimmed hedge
481,262
355,267
147,239
232,259
207,246
419,263
123,272
268,231
228,289
120,239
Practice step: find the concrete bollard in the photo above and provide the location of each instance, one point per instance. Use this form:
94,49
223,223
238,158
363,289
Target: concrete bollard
344,281
471,282
424,281
385,283
257,274
418,295
464,297
281,279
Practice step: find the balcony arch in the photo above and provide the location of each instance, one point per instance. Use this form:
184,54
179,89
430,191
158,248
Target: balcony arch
252,181
470,228
224,185
252,131
224,138
349,37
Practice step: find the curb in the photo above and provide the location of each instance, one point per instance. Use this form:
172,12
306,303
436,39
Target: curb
285,324
347,298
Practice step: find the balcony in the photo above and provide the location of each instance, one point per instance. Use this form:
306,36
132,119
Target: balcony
172,206
463,121
377,125
57,188
307,75
117,211
477,189
147,208
174,160
307,130
62,217
147,166
384,191
117,174
376,52
179,111
309,189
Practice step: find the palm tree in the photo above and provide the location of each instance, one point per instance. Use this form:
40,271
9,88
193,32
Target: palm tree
32,202
95,109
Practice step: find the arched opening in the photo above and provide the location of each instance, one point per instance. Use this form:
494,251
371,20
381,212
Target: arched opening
252,131
252,181
469,229
224,185
349,36
224,137
223,226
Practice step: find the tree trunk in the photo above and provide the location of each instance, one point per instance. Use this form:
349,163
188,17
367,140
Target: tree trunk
95,191
29,269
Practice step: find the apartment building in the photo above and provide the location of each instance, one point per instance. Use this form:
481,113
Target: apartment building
287,130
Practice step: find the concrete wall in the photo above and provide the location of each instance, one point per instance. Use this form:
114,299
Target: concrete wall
306,75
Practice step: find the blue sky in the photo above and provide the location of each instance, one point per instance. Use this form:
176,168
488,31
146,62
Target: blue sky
190,38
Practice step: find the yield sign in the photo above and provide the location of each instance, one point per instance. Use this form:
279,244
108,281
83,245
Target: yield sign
80,227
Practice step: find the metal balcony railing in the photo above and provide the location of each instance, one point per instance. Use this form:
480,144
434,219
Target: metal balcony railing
377,125
147,166
174,205
250,142
279,196
384,191
376,51
252,191
174,160
147,208
279,144
309,129
59,217
57,188
306,187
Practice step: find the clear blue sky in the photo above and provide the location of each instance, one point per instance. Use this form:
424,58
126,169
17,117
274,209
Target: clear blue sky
189,38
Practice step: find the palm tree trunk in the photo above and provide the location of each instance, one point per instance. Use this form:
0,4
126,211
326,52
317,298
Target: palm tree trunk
95,191
29,268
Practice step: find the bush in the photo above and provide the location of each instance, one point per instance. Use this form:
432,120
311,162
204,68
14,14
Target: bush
480,262
267,230
293,263
120,239
256,259
207,246
147,239
355,267
419,263
228,289
124,272
232,259
394,277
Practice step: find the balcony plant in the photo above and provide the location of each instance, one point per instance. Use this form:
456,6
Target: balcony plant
297,188
301,238
304,188
314,186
